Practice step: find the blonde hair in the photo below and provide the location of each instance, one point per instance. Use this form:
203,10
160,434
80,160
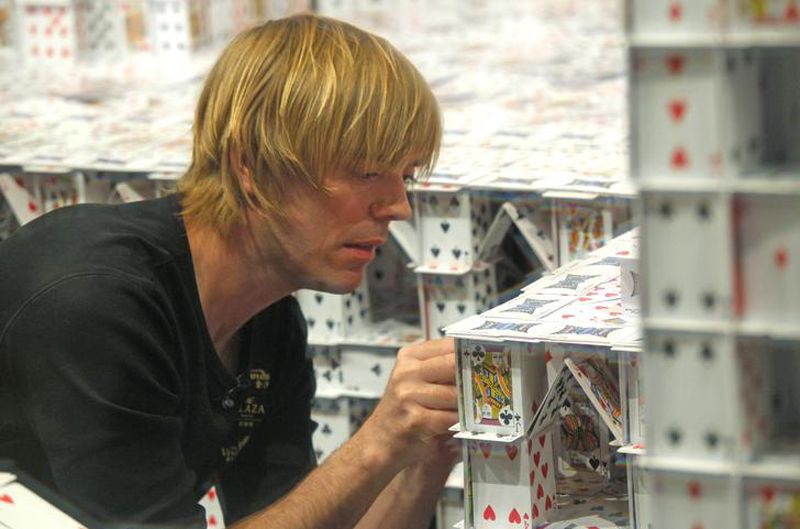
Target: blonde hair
295,99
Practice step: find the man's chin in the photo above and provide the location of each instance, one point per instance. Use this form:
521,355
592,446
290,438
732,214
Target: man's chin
341,286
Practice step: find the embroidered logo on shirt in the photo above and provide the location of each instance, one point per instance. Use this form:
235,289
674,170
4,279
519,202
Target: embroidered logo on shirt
250,413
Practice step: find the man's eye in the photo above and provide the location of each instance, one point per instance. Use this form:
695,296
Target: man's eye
370,176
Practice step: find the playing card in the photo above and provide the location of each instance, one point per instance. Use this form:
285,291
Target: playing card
640,495
406,236
768,255
21,508
506,383
104,33
449,298
221,21
600,307
588,333
772,504
480,327
568,283
630,288
49,36
632,397
696,282
535,235
490,388
327,370
528,307
681,500
24,206
556,398
541,478
6,477
690,424
673,18
177,27
333,425
215,518
333,317
767,15
683,120
489,246
602,389
512,484
582,229
446,224
365,370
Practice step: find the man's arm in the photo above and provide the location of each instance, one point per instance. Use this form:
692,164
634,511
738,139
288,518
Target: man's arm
419,404
410,499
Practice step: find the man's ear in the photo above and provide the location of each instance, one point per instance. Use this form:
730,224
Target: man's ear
241,171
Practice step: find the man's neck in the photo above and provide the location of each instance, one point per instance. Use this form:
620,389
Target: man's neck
233,285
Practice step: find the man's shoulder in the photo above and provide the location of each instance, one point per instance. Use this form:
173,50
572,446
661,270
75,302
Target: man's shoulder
120,243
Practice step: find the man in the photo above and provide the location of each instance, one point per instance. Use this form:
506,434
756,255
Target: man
149,349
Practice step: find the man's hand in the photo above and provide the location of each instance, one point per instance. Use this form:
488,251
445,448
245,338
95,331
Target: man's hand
419,404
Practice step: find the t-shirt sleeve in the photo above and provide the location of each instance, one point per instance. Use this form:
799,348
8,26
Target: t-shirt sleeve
282,454
97,382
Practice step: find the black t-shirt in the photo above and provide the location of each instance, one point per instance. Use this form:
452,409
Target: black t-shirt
111,391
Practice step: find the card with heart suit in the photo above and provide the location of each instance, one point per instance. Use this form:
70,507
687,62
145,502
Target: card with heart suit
215,519
512,485
23,205
21,508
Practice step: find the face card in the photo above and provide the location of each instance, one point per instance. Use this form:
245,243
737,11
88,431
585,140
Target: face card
772,505
602,389
491,384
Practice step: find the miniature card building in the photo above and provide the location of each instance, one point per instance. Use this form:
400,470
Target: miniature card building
544,398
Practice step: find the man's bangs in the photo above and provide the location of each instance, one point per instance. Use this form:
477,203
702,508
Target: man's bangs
395,119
